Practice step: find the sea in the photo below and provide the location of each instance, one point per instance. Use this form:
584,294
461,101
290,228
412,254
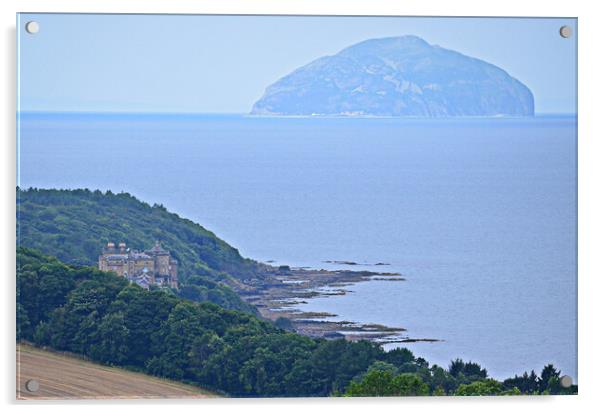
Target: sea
478,214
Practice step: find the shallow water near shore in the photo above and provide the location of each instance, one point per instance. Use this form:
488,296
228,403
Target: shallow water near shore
478,215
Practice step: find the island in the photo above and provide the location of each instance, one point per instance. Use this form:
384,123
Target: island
397,77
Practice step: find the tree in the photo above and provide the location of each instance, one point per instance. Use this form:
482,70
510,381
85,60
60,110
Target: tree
474,370
550,380
23,325
375,383
527,383
470,371
456,367
441,379
113,340
399,356
378,383
172,343
407,384
201,349
487,387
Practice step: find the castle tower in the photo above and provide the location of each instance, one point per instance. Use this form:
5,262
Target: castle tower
161,259
113,260
109,248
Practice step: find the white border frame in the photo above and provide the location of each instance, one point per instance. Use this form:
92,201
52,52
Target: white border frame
590,200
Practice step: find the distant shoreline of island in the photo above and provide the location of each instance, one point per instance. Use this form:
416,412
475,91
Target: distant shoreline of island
66,113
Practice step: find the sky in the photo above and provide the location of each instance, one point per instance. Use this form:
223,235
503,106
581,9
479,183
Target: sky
222,64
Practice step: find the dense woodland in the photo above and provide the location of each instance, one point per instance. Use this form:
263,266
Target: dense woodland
74,225
100,315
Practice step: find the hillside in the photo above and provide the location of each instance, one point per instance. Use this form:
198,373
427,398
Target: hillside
108,320
397,76
74,225
62,376
103,317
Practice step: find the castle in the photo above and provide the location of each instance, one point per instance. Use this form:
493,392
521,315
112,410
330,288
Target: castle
151,267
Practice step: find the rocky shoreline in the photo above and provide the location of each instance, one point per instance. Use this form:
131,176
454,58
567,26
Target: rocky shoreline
281,288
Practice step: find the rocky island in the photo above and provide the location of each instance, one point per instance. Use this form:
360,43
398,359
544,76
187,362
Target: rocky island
397,76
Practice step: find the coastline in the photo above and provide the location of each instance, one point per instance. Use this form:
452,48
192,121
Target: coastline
281,288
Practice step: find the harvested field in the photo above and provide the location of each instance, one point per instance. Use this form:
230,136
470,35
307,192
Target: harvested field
67,377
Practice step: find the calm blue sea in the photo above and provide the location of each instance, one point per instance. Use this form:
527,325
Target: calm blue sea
479,215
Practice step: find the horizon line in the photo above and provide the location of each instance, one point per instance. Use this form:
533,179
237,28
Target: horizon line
185,113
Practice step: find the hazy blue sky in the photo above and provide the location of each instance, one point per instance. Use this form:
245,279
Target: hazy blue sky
224,63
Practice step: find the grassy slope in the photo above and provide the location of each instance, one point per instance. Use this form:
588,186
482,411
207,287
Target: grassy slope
63,376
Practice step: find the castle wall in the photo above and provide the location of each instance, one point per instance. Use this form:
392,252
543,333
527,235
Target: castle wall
173,269
162,264
117,266
137,265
